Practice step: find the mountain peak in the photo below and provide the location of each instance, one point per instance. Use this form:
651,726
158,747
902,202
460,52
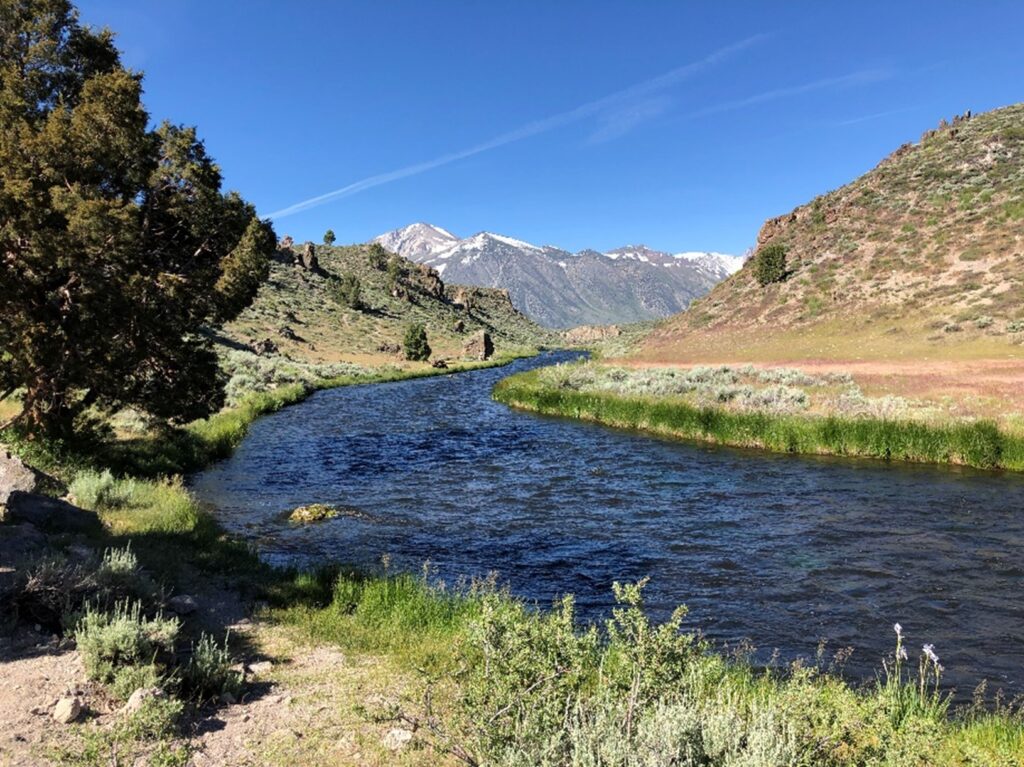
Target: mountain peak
417,241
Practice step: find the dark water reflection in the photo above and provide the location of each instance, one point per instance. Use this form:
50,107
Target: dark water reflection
779,550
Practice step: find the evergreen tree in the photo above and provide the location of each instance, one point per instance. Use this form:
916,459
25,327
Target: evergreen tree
329,237
415,343
377,256
117,246
348,291
770,264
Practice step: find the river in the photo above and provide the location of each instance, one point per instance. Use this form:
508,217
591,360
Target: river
777,550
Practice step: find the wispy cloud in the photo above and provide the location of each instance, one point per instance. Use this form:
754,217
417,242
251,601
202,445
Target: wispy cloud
618,122
862,77
873,116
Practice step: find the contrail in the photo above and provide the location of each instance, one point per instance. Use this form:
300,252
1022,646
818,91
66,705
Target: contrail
530,129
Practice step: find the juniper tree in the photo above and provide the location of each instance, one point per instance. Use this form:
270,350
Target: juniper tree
770,264
329,237
415,343
118,248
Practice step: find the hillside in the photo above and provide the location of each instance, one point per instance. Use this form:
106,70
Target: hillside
560,289
922,258
297,316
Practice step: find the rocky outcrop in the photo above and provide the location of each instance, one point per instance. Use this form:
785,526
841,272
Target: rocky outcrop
51,514
479,346
430,281
586,333
307,259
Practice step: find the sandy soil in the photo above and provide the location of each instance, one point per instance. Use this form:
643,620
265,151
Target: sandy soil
307,707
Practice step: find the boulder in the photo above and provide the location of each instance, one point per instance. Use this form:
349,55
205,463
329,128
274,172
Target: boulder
49,513
308,259
140,697
182,604
397,739
314,512
479,346
439,364
16,476
67,710
264,347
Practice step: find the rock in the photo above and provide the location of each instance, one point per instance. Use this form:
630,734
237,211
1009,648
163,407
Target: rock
67,710
479,346
430,281
182,604
397,739
140,697
15,475
308,260
586,333
439,364
266,346
50,513
261,667
314,512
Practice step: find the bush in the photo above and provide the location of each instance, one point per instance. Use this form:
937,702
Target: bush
209,672
415,343
111,642
347,291
377,257
770,264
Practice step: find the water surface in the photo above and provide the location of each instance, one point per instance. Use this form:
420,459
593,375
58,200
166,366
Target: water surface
779,550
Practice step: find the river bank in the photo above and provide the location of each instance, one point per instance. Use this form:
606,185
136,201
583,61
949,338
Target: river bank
498,681
770,421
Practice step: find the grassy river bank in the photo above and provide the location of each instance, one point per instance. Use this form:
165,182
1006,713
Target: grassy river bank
467,673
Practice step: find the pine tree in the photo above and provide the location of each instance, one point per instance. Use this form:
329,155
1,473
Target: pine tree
117,247
329,237
415,343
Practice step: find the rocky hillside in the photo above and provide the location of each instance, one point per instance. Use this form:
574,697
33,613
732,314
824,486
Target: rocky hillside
920,256
306,310
560,289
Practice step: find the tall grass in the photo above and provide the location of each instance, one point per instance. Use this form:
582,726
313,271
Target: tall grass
980,444
513,685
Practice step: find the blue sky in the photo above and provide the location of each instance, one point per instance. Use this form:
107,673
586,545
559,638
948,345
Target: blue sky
682,125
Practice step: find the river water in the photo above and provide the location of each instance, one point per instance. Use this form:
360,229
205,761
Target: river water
780,551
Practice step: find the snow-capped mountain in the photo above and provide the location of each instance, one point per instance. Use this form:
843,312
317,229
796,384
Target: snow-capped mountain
417,241
562,289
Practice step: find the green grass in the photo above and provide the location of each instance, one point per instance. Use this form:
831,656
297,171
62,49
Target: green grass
980,444
510,684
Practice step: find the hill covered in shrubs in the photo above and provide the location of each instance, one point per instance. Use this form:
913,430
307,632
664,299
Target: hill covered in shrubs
922,255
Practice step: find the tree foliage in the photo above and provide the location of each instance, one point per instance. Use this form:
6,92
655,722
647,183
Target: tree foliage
348,291
770,264
377,257
117,246
415,343
329,237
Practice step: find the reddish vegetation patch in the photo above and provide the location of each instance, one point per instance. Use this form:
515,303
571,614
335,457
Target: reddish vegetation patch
995,386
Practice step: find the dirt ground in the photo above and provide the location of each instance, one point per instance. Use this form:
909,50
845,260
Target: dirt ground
311,705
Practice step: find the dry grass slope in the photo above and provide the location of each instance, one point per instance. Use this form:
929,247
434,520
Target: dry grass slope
921,258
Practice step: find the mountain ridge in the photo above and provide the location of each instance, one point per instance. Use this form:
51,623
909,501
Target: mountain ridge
562,289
